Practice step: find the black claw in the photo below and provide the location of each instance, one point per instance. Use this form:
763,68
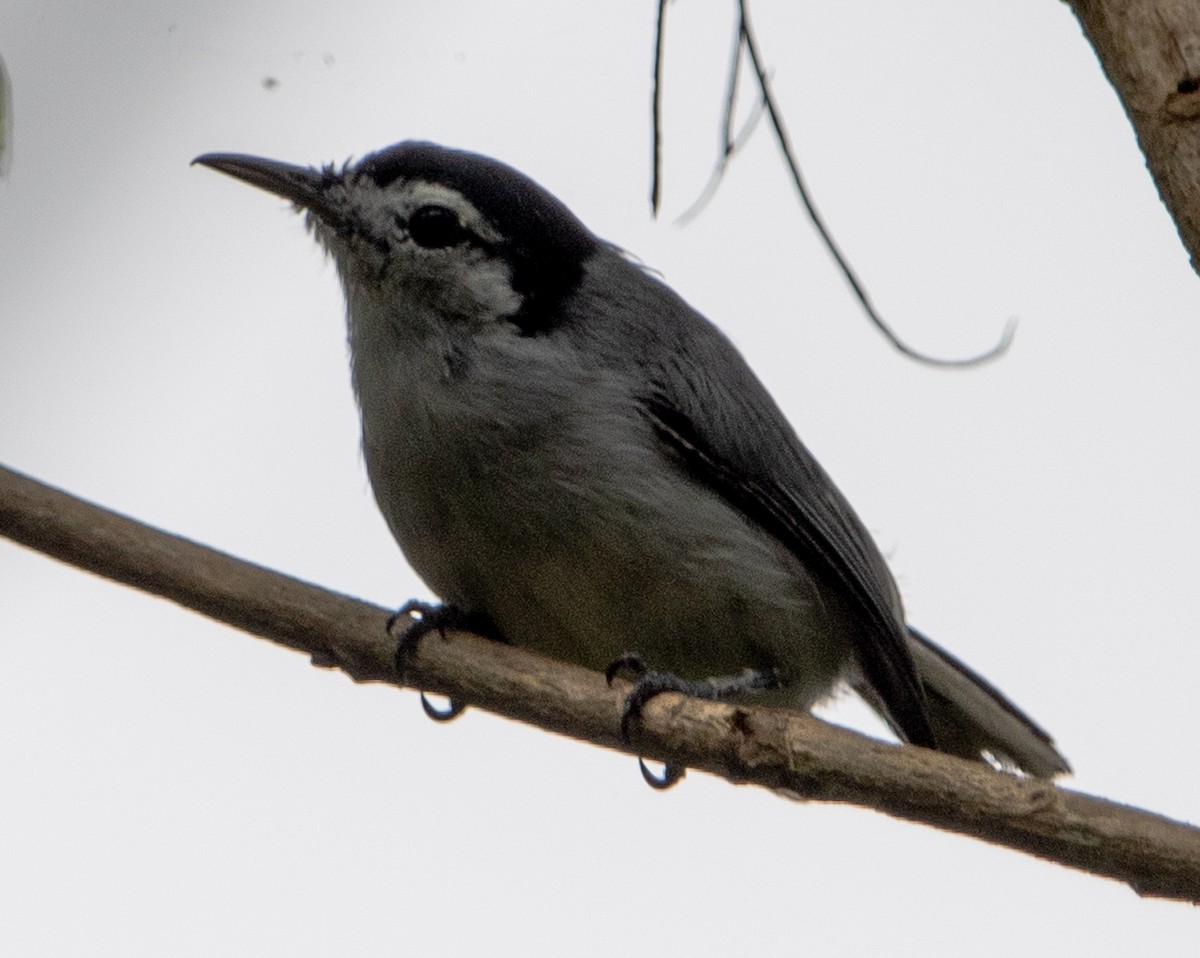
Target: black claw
648,686
629,661
430,618
631,712
671,775
453,710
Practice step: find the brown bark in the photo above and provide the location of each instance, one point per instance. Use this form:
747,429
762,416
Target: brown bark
1150,50
790,753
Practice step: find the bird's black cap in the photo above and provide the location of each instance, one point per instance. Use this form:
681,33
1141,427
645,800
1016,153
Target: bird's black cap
544,242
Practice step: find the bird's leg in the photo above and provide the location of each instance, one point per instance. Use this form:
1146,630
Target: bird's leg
648,684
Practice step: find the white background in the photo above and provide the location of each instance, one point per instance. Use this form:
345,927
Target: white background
171,345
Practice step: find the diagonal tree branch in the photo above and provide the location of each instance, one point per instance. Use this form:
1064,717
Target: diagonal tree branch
790,753
1150,51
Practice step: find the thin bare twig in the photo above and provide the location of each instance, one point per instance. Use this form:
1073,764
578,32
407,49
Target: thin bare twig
730,142
656,109
785,146
746,45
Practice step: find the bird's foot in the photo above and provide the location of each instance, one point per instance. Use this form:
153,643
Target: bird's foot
649,684
425,617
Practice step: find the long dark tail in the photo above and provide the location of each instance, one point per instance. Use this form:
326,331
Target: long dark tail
972,719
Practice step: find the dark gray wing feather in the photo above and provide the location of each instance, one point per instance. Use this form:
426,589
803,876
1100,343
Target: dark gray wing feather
716,419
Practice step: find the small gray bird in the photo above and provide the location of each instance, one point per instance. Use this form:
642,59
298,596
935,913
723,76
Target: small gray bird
578,462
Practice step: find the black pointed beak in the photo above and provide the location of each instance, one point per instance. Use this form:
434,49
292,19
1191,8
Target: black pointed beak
304,186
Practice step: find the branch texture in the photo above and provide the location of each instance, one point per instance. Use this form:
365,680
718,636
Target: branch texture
791,753
1150,50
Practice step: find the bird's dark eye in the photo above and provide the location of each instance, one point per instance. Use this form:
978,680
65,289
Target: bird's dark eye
435,227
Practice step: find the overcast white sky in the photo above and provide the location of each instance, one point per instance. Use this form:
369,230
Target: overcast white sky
171,345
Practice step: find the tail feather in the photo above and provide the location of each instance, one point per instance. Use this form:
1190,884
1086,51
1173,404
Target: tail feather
971,718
